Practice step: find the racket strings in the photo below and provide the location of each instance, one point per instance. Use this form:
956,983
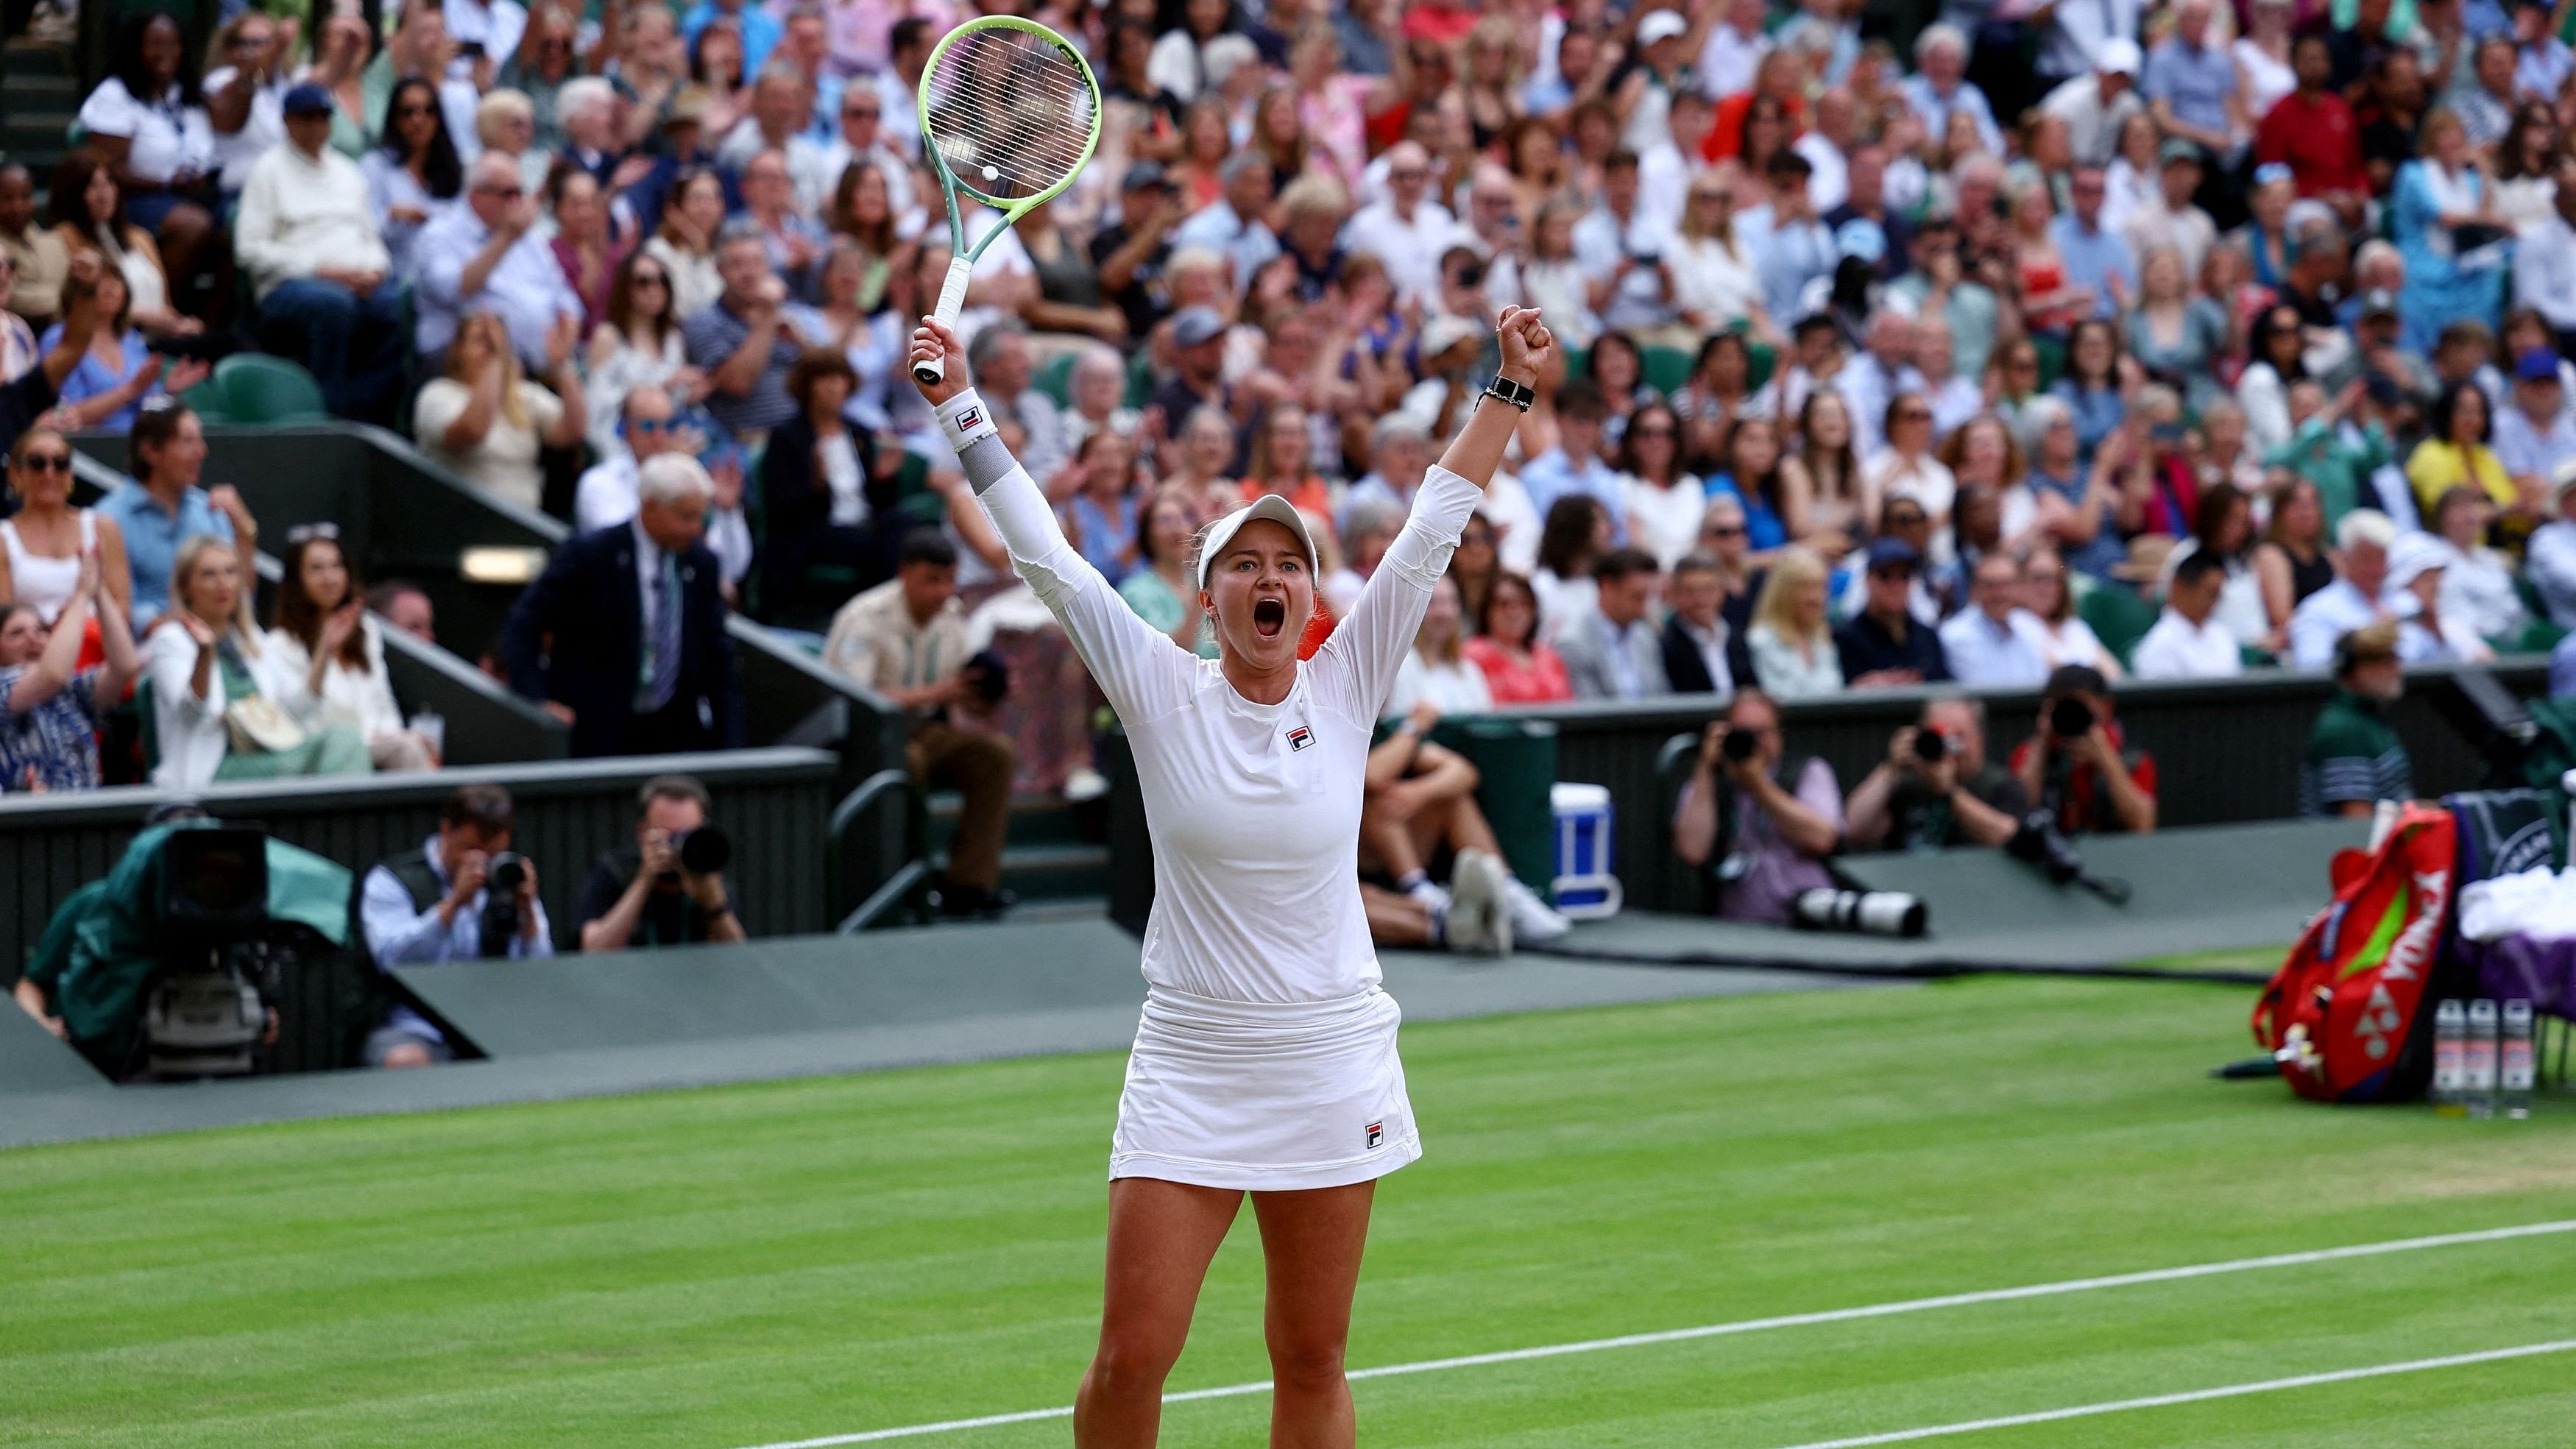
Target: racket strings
1009,116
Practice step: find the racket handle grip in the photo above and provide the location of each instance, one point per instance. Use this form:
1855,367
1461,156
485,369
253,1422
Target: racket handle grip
952,300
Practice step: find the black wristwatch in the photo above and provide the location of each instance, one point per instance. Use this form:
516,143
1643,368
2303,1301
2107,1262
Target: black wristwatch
1516,394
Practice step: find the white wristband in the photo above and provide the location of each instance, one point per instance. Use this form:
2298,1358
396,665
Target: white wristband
966,420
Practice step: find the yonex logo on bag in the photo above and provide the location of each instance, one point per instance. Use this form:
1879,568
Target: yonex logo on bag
1376,1133
1298,739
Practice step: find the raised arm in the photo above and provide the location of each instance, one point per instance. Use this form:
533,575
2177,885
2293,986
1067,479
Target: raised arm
1478,449
1144,674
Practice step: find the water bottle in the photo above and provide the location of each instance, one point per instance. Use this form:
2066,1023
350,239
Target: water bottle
2513,1073
2482,1058
2450,1058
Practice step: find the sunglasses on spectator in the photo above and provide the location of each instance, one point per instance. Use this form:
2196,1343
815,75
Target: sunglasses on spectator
1723,530
1908,520
1665,433
1914,415
651,279
47,462
506,193
405,113
860,113
1406,173
308,532
649,426
1893,572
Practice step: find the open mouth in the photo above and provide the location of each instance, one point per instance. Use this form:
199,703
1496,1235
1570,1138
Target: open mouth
1269,616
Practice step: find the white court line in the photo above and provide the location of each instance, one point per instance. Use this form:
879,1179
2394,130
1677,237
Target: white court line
2200,1396
1758,1325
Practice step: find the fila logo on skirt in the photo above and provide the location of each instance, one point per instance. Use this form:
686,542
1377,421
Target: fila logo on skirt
1298,739
1376,1134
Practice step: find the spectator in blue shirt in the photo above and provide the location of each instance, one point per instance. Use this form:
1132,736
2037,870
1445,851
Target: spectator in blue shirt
2095,257
2192,88
1940,85
760,33
1574,465
164,507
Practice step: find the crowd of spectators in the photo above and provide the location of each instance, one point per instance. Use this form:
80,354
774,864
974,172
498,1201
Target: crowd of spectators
1978,344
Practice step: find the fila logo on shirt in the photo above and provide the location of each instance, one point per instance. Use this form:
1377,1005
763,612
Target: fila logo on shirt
1376,1134
1298,739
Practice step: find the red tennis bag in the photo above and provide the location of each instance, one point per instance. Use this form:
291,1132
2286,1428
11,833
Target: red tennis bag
2349,1017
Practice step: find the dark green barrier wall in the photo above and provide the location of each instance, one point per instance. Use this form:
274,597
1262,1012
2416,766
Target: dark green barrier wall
2225,750
772,802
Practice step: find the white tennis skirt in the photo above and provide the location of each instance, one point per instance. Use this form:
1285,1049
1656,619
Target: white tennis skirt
1264,1096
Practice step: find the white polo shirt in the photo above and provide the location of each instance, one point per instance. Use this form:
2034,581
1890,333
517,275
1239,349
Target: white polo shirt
2177,648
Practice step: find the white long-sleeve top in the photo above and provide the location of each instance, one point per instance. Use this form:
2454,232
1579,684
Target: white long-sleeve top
360,699
189,731
1254,809
300,213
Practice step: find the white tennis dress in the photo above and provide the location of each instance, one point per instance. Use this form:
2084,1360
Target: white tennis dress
1266,1056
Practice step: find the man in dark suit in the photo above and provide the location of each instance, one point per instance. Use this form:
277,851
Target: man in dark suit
623,636
1702,654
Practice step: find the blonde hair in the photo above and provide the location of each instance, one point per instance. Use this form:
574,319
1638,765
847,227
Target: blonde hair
513,407
192,552
497,108
1792,568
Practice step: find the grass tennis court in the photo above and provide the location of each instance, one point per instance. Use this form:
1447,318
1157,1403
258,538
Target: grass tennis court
743,1266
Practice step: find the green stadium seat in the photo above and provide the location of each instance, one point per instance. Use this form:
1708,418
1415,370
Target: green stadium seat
1578,363
151,725
2117,615
206,400
261,389
1666,369
1765,360
1056,378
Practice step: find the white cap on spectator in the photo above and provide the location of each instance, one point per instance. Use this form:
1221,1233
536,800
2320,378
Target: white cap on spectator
2120,57
1661,25
2415,555
1444,332
1269,505
2562,480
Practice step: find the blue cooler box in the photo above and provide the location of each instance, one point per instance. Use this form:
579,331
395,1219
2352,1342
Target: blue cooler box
1584,887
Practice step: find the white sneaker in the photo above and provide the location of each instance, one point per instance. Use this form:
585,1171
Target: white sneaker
1479,920
1531,918
1084,784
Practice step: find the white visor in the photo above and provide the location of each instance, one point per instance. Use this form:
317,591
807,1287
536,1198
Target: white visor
1269,505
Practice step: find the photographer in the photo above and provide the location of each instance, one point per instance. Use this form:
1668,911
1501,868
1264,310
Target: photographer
669,889
1781,815
2077,765
1936,788
463,896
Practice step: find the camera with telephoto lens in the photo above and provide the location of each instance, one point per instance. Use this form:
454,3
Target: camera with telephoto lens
1739,745
503,874
703,851
1876,913
2070,718
2041,843
206,1011
1931,746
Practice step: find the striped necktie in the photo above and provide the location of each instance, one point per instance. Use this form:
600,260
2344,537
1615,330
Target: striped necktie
662,665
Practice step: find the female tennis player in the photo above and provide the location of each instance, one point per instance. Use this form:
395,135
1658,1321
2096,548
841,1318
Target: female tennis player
1265,1061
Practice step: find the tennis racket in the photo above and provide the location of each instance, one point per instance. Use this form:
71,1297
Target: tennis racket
1011,112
